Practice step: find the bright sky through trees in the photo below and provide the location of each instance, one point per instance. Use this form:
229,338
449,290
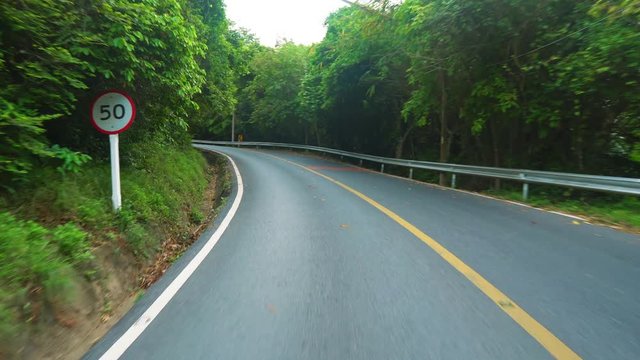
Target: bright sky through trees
299,20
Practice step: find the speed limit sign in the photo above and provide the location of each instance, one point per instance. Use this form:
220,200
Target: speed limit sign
112,112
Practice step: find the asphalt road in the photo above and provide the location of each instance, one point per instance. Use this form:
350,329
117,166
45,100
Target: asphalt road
307,269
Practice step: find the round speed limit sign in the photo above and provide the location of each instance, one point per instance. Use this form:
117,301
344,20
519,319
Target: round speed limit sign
112,112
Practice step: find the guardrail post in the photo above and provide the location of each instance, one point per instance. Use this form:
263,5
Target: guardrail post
525,189
381,168
410,173
360,163
341,157
453,181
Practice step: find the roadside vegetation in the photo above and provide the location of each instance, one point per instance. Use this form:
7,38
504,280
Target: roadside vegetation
66,259
521,84
44,261
619,211
542,85
549,85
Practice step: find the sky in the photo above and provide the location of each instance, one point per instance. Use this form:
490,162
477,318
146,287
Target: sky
301,21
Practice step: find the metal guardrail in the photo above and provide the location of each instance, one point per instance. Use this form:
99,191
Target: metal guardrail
620,185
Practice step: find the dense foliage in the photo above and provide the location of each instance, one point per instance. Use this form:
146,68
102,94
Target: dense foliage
182,65
492,82
513,83
175,57
273,92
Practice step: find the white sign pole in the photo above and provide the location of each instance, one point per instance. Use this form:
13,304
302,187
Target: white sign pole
112,112
116,197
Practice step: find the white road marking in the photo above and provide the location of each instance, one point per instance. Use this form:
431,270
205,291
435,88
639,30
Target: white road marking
124,342
568,215
440,187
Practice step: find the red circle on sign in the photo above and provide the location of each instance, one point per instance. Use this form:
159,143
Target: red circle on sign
128,123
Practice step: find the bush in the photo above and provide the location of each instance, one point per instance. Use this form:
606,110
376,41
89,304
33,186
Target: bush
72,243
34,258
196,216
140,241
27,255
8,326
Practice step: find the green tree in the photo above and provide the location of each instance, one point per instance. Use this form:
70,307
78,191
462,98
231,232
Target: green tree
273,93
175,57
217,100
356,85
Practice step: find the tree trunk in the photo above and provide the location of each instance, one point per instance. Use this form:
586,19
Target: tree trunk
401,141
496,150
444,130
579,145
316,130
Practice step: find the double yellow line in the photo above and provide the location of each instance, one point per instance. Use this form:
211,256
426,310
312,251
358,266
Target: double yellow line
550,342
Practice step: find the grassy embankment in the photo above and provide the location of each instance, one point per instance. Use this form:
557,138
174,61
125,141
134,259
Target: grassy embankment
616,210
52,227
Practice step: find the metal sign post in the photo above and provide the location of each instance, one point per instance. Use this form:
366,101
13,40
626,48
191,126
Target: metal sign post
113,112
116,196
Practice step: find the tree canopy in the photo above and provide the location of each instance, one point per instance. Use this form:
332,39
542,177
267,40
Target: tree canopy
549,85
178,58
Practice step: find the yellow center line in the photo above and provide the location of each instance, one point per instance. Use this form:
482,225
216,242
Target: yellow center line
550,342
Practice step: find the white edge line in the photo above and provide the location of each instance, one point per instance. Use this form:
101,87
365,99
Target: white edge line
124,342
568,215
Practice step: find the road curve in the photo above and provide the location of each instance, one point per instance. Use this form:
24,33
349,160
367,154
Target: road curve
308,269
